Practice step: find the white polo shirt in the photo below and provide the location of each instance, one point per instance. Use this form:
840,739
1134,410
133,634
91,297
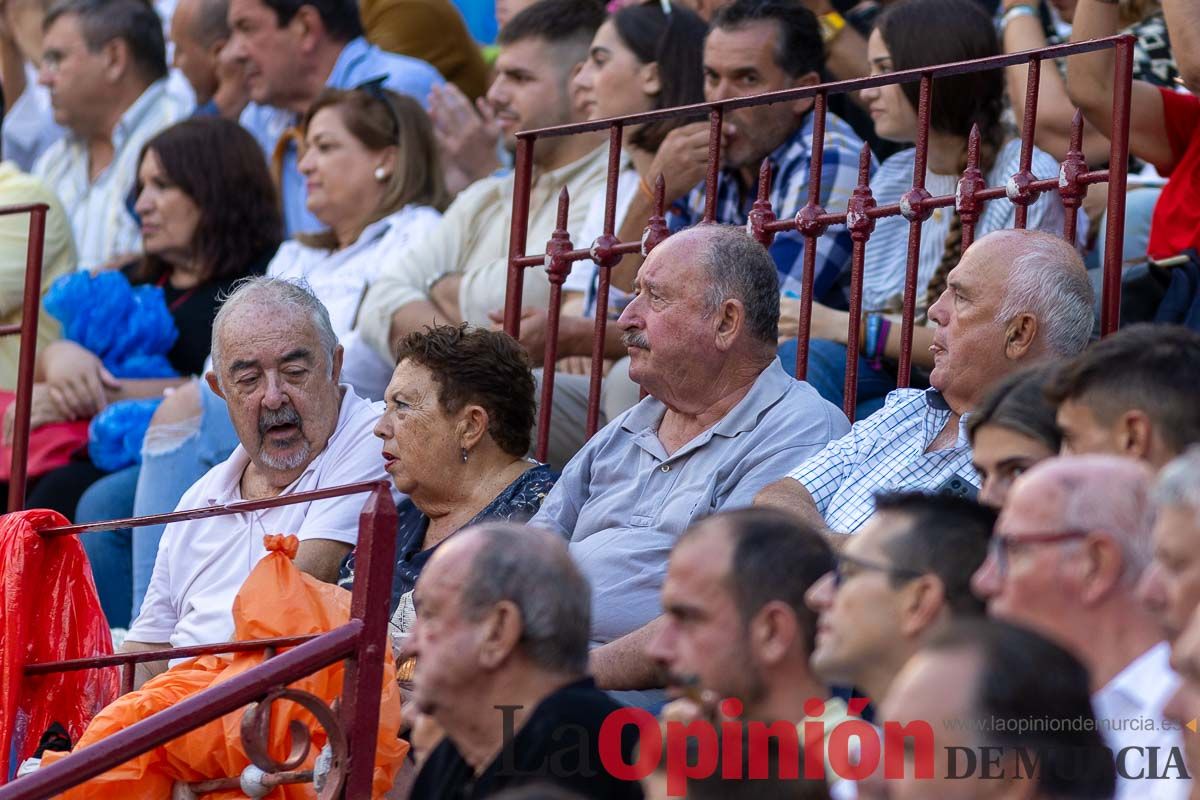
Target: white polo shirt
202,563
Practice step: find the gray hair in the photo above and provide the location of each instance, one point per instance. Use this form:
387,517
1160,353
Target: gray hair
741,268
532,569
133,21
279,293
211,23
1179,482
1048,279
1091,504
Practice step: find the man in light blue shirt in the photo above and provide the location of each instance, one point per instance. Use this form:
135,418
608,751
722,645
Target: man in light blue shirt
291,50
723,420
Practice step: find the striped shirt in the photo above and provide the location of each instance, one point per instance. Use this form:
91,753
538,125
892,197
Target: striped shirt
790,166
886,452
887,249
100,219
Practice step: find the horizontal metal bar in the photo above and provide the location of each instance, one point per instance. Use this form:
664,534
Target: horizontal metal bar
24,208
187,715
118,659
217,511
10,330
837,87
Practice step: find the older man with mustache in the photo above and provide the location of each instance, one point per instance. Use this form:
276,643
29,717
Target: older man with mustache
276,363
722,420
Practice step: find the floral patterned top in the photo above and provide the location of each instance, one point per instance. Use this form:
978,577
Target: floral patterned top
517,503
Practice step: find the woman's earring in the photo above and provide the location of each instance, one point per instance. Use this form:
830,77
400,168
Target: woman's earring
380,174
464,455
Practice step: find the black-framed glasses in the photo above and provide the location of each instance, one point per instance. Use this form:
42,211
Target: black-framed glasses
846,567
1003,545
375,88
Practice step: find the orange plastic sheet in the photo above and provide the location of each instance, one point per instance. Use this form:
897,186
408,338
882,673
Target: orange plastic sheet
49,611
276,600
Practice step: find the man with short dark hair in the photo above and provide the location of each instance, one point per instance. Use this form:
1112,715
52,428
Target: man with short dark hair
1132,394
1016,296
721,420
906,573
200,31
293,49
500,642
1000,693
104,63
756,46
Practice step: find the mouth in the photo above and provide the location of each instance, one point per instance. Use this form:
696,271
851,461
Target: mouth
149,230
285,431
388,461
634,340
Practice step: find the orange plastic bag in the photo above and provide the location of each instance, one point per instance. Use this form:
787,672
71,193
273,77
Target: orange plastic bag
49,611
276,600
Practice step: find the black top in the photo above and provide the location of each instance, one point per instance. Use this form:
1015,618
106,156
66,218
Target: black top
193,311
558,744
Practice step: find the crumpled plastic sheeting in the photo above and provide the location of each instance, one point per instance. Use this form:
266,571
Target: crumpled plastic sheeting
49,611
275,600
115,434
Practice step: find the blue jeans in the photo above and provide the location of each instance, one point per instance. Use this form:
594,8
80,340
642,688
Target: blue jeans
827,374
110,552
167,473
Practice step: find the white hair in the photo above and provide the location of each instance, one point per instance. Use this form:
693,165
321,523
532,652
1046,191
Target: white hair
1048,279
1179,482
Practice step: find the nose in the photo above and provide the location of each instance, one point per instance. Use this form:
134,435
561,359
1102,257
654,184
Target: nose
869,94
820,595
274,395
143,203
383,428
235,48
630,318
497,95
45,77
937,311
987,581
661,647
583,76
308,161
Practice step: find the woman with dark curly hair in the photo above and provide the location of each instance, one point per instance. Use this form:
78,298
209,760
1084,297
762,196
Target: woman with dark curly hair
459,417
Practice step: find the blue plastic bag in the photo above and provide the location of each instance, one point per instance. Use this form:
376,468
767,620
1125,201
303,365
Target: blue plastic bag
115,434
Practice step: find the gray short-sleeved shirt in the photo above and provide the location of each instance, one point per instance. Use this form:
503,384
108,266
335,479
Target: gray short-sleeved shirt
622,501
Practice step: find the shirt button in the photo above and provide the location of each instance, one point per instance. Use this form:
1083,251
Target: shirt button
665,468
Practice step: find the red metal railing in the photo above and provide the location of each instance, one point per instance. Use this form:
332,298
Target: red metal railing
361,641
916,205
27,328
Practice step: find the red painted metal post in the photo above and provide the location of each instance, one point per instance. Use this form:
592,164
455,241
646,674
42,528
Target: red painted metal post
128,672
1070,188
859,221
376,561
1118,165
656,227
189,714
605,259
1018,185
28,354
810,227
971,183
913,207
558,266
715,123
518,235
761,214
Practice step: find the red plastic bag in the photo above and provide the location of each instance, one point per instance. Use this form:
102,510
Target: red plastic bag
49,611
276,599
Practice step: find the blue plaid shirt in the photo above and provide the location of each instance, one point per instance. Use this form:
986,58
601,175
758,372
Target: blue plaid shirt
789,192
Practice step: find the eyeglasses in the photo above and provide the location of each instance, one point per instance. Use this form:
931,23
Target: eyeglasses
1002,546
374,88
846,567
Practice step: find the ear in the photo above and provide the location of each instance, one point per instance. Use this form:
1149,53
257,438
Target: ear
1103,564
801,107
116,59
1019,336
387,160
1135,434
924,600
648,75
211,378
214,49
307,25
773,633
501,631
336,371
731,319
472,426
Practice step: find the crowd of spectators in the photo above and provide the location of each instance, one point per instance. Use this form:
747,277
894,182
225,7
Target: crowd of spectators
318,197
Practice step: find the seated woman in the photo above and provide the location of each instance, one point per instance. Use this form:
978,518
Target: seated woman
459,414
901,41
210,216
374,179
1012,430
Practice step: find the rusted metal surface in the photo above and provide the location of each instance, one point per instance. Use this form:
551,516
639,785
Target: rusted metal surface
1118,160
858,220
558,267
144,656
256,729
810,223
31,305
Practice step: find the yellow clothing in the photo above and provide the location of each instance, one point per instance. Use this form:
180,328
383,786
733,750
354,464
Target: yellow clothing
472,238
58,258
431,30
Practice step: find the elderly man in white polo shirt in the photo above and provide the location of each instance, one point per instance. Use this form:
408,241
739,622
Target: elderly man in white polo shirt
276,363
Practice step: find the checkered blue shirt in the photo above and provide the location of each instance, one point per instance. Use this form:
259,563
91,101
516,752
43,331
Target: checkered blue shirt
789,193
886,453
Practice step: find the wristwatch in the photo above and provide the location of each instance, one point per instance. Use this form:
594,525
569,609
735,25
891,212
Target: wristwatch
831,25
